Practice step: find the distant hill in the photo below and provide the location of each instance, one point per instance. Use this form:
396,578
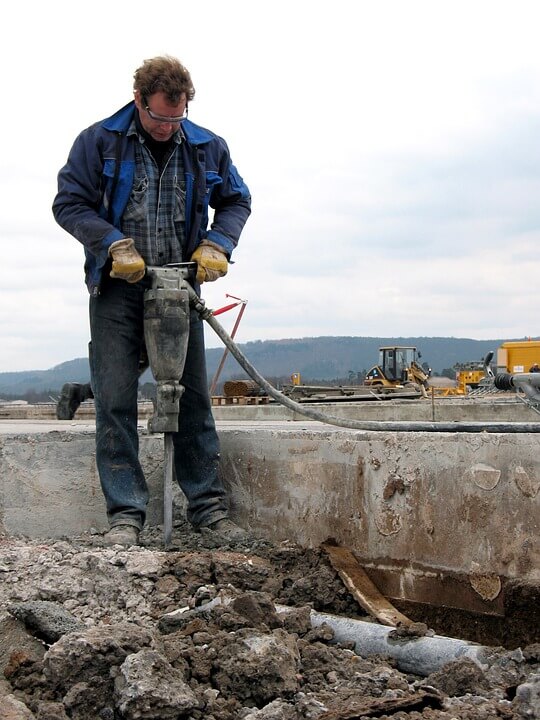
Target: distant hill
14,383
320,358
326,358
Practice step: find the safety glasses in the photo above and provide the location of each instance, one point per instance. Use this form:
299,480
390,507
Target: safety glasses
172,119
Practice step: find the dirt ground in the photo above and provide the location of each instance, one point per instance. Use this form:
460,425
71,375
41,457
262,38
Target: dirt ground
95,633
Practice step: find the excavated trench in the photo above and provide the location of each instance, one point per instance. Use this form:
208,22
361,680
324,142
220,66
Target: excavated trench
89,632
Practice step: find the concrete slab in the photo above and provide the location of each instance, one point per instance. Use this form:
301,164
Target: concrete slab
49,485
501,407
414,507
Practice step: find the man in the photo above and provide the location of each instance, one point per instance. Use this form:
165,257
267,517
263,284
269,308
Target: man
136,191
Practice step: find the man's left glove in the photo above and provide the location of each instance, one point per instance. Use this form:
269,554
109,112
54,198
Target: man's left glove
127,264
211,261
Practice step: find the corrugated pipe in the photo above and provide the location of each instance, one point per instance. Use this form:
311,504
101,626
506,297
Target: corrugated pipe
368,425
528,382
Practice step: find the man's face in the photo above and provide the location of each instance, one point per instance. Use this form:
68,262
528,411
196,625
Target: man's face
158,117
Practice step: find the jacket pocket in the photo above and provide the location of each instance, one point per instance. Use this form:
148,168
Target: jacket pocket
138,200
179,211
212,179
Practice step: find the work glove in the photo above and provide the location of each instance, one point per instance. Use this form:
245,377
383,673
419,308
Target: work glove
211,261
127,264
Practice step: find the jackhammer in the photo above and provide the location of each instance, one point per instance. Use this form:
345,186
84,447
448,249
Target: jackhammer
166,334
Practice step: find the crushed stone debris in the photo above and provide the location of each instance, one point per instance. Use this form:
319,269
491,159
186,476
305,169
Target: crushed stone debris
90,632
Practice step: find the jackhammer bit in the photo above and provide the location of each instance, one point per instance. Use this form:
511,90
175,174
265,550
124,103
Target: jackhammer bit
166,335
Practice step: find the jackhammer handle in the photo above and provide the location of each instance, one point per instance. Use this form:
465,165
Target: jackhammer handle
189,270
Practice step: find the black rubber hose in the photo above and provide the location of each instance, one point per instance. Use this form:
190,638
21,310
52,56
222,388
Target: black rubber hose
503,381
369,425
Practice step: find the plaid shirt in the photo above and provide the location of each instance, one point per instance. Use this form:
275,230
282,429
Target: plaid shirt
155,214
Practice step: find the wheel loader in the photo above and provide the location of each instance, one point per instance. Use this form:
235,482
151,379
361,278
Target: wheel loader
398,367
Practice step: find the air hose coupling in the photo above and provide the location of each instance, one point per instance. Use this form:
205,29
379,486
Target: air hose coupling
198,304
503,381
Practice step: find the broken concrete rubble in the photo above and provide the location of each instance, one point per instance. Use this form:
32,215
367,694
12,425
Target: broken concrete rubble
46,620
121,661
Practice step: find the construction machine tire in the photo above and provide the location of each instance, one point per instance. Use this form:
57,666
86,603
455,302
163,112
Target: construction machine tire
417,387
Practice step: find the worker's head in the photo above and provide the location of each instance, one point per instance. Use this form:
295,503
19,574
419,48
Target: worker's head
162,91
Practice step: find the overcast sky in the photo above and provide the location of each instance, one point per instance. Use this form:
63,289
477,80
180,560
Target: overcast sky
391,148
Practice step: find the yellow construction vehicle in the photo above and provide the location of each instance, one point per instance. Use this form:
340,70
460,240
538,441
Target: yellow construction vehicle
469,375
518,356
296,390
398,366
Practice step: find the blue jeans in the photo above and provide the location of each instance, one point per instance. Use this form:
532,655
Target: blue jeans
117,340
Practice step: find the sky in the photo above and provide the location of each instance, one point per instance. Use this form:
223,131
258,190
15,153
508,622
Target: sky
391,149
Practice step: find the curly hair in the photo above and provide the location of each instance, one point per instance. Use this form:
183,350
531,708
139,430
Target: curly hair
164,74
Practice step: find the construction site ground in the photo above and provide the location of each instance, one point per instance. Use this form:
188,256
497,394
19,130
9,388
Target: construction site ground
86,634
89,632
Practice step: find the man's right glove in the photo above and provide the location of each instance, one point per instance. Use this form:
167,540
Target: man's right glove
127,264
211,261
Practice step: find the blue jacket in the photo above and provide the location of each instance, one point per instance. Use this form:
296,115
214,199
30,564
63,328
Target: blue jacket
84,188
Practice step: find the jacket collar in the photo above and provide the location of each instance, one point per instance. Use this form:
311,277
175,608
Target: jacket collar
121,120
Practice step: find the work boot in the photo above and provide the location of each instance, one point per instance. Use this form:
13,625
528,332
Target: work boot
122,535
69,401
225,530
72,395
